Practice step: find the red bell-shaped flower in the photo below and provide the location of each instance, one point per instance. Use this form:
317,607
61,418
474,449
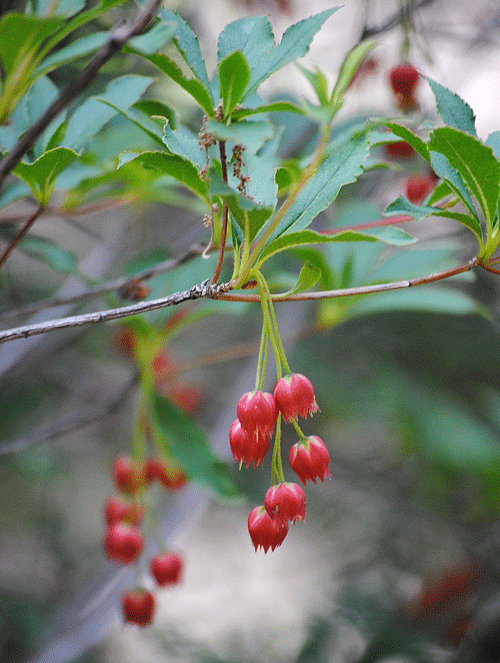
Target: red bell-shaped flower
247,446
138,607
123,543
257,412
294,396
285,502
263,531
167,569
309,458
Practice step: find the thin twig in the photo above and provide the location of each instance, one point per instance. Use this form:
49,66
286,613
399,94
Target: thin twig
118,37
20,233
393,21
204,290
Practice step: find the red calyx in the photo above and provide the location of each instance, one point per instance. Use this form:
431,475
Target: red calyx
263,531
247,446
257,412
123,543
118,508
294,396
285,502
309,458
167,569
138,607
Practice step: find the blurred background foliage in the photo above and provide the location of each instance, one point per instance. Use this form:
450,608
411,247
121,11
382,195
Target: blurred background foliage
408,385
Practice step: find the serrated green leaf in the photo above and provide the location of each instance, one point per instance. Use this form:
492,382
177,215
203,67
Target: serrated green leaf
454,111
185,144
57,258
155,108
188,444
318,82
308,277
92,115
188,45
341,167
251,134
386,234
475,162
493,141
234,76
294,44
41,175
192,85
77,49
253,36
170,164
419,212
441,190
415,141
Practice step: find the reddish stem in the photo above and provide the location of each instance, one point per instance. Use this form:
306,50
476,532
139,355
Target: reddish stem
20,233
223,232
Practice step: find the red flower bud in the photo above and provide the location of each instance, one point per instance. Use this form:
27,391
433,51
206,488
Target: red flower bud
167,569
294,396
263,531
285,501
127,475
118,508
399,149
138,607
417,189
257,412
247,446
309,458
404,79
123,543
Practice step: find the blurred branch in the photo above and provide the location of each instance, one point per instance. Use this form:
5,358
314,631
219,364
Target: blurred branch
20,234
117,38
396,19
109,286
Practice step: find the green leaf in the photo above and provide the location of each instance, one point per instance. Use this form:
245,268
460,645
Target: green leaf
493,141
275,107
419,212
154,39
253,36
387,234
20,37
192,85
8,138
234,76
185,144
308,278
251,134
341,167
183,171
189,446
454,111
318,83
41,175
141,120
92,115
57,258
188,46
294,44
64,8
12,192
243,209
442,168
475,162
347,71
157,109
77,49
415,141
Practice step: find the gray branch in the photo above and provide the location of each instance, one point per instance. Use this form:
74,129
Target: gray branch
204,290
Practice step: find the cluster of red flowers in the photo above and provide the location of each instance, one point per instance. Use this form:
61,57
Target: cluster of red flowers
250,440
124,541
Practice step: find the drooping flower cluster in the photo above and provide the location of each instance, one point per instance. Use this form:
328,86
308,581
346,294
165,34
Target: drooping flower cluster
124,540
250,439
